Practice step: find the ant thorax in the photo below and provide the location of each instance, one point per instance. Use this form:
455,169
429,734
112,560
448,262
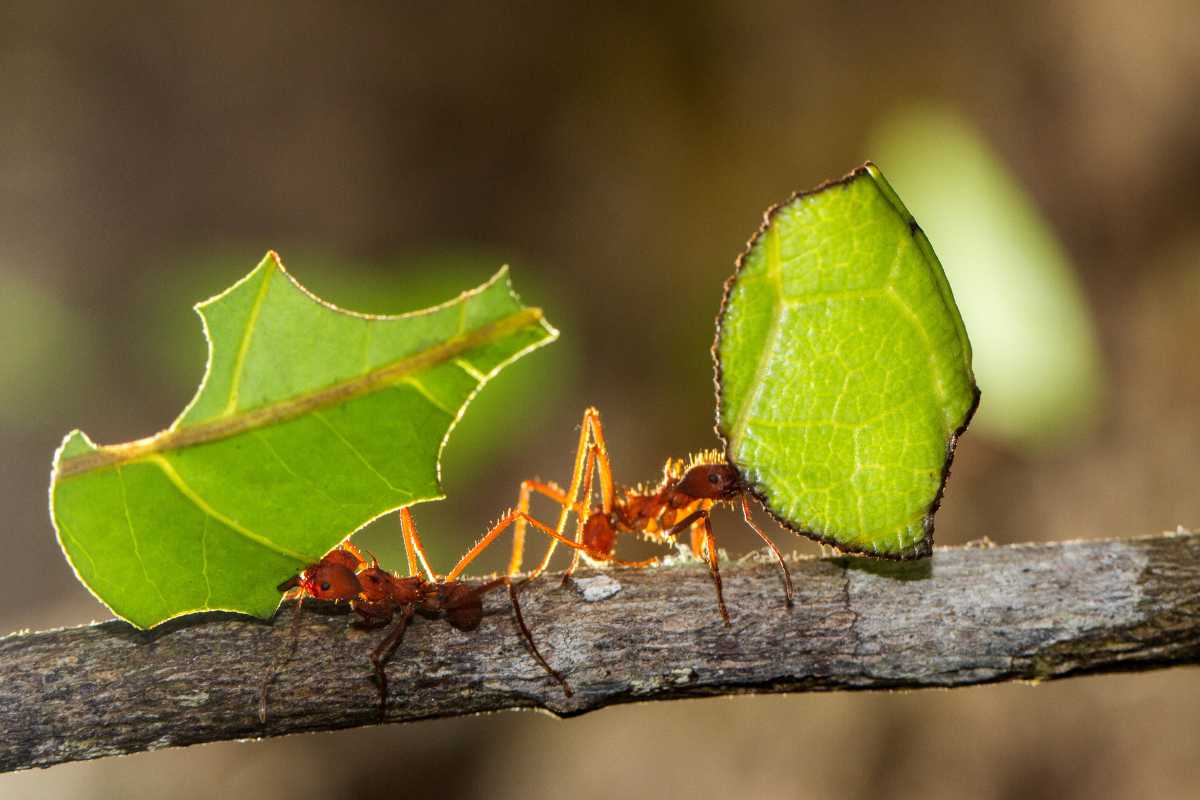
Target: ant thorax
697,484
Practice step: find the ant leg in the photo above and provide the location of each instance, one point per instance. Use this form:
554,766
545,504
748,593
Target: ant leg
384,651
372,615
581,454
649,562
550,490
711,545
353,550
598,458
508,519
293,642
696,519
413,546
697,542
787,578
646,562
581,512
409,555
525,633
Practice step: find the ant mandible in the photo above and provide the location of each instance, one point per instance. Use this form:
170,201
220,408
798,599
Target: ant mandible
378,596
682,499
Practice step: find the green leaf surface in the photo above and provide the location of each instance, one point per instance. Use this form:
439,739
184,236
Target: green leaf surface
310,422
1034,340
843,369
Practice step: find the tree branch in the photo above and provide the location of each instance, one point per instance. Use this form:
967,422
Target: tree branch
966,616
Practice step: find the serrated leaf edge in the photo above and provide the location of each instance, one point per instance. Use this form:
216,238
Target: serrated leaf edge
176,437
57,471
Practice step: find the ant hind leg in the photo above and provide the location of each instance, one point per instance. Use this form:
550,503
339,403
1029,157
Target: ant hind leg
526,635
528,487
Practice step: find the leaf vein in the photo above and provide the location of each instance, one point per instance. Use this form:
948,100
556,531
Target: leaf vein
290,408
137,552
239,365
355,451
192,495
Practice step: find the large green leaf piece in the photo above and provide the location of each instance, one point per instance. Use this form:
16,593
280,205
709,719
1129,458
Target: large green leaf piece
843,369
310,422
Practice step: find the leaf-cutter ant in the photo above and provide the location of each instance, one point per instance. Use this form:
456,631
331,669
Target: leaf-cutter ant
682,499
378,597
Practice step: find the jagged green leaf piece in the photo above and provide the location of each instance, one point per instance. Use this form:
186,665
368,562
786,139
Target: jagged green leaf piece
843,369
310,422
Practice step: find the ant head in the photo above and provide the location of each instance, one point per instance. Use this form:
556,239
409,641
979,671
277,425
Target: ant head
331,582
710,482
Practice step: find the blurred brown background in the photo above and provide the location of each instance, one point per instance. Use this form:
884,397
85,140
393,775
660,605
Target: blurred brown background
394,154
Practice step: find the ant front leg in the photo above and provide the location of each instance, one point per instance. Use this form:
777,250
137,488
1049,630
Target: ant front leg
383,652
372,615
702,532
280,662
787,578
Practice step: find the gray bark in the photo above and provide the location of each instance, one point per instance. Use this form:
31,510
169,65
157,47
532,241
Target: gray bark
965,616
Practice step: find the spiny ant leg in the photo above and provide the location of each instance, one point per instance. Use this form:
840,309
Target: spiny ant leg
384,651
710,543
508,519
525,633
582,513
654,561
413,547
590,430
787,578
551,490
280,663
697,542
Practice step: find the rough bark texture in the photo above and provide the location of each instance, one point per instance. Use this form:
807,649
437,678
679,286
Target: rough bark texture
965,616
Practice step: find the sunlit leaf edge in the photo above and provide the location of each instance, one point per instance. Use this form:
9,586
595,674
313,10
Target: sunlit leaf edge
81,440
924,548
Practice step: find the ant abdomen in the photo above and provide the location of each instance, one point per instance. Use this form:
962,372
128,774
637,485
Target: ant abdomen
462,605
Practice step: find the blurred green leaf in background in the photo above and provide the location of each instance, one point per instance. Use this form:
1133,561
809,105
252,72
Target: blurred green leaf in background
37,329
1034,341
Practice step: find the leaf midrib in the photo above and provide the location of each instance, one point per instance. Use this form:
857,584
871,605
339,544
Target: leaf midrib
290,408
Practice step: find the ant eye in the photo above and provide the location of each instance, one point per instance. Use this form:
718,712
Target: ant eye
324,586
714,477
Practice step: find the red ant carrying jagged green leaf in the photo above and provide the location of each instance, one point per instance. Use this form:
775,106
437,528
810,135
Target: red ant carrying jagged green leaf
843,375
683,499
378,597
